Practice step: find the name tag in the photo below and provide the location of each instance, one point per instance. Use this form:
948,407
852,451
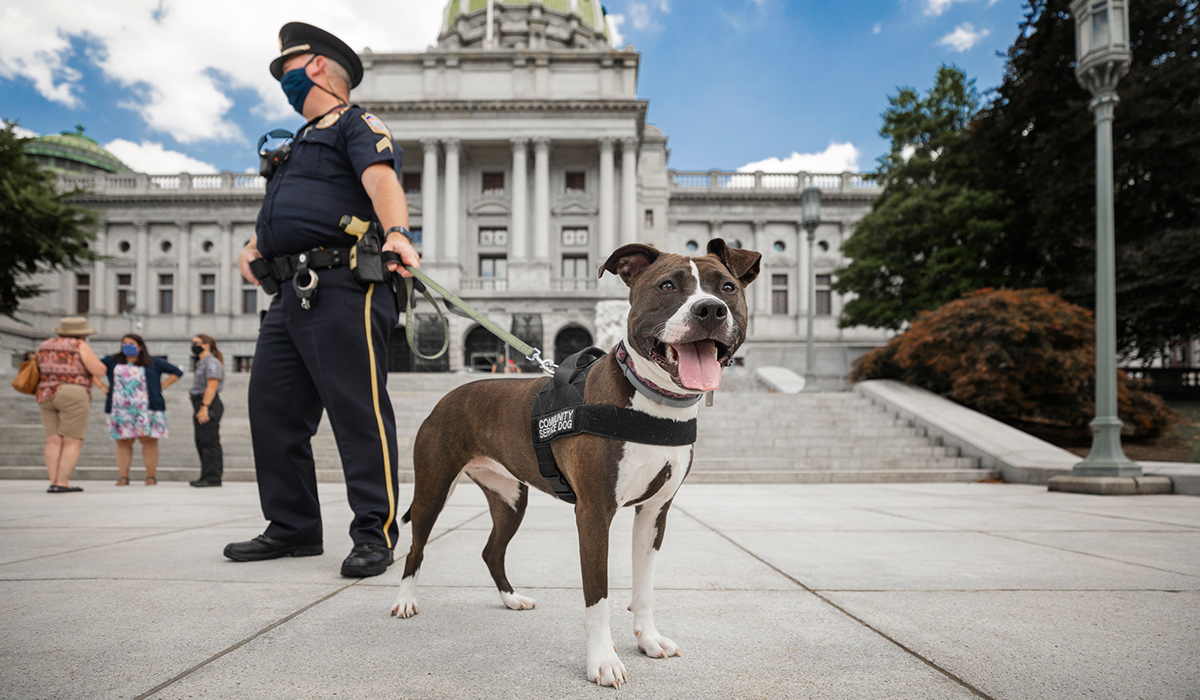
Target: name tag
560,422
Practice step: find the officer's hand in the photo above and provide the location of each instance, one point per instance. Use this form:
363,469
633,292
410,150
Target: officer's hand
398,243
248,253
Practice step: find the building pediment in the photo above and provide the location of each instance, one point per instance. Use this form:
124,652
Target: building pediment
574,206
779,260
489,205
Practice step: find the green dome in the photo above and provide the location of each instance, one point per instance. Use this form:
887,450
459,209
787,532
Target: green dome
589,15
72,152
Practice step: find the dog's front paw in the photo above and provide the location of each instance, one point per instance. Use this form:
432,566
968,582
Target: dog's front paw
404,607
512,601
607,669
656,646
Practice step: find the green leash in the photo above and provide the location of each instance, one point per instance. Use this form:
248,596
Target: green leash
531,353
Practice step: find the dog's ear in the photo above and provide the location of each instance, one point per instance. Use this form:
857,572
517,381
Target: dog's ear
628,261
742,263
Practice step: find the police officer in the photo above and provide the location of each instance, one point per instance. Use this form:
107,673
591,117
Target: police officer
323,341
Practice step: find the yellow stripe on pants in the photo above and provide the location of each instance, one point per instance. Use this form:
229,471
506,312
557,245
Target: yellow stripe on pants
387,458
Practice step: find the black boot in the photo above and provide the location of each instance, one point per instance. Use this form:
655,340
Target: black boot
263,547
367,560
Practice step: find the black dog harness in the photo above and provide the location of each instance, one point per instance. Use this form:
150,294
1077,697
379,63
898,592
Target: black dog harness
560,411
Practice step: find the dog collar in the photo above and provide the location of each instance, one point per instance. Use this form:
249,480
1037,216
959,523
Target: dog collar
649,389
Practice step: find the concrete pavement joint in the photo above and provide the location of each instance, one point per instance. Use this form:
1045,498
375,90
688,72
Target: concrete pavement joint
184,674
1089,554
928,662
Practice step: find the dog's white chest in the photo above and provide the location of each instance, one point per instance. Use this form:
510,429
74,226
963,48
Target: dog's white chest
641,464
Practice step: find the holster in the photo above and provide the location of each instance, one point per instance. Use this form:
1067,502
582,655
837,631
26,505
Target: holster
366,260
262,270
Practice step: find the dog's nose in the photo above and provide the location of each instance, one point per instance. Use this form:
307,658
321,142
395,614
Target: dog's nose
711,310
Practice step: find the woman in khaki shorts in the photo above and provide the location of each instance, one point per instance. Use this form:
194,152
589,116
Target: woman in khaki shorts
66,366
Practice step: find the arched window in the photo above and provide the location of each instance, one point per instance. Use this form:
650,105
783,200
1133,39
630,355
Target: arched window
569,341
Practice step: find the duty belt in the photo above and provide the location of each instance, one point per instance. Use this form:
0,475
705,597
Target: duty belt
283,268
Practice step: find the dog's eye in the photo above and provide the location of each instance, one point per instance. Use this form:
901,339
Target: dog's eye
729,287
667,286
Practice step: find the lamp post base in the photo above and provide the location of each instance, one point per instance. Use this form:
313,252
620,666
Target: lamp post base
1111,486
810,384
1106,457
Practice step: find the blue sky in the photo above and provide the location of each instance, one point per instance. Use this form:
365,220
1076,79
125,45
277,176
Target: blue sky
173,86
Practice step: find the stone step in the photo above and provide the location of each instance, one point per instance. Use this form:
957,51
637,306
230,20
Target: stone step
764,476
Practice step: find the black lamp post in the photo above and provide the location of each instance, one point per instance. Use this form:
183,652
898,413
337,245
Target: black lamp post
810,218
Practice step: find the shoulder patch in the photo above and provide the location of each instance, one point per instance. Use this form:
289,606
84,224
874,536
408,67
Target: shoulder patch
376,124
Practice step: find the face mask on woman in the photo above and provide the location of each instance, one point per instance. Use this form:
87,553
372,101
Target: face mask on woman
129,349
197,350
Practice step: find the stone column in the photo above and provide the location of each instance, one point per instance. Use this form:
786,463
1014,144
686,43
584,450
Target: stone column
141,279
762,295
541,200
607,242
450,232
224,248
520,201
628,190
183,282
429,201
100,272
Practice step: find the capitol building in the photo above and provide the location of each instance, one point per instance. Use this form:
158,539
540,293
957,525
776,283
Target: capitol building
527,160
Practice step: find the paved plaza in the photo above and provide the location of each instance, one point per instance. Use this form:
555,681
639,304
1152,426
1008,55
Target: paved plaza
918,591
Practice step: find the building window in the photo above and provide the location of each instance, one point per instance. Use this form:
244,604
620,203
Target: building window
123,246
576,182
241,363
249,298
208,294
493,183
575,267
493,266
411,183
648,219
166,294
824,295
124,293
779,295
493,238
416,236
692,246
574,236
206,246
83,294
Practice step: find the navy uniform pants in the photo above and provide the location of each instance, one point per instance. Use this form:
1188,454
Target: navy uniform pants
331,357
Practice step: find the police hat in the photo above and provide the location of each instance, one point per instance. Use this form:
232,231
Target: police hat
298,37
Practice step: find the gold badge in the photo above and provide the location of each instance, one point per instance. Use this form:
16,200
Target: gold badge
329,120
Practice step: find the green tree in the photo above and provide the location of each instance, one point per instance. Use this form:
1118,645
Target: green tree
39,229
1037,138
933,234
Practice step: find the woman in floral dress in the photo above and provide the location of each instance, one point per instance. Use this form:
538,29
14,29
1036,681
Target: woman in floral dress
135,406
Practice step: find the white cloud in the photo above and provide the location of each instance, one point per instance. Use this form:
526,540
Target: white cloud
149,157
878,28
23,133
837,158
639,16
183,58
934,8
614,30
964,37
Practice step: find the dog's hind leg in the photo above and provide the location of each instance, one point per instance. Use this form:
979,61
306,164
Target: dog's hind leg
649,524
507,498
433,485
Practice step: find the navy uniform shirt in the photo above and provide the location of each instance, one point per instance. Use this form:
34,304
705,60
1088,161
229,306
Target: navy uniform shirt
322,181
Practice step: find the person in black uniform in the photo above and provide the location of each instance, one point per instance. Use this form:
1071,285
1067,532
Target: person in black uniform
325,347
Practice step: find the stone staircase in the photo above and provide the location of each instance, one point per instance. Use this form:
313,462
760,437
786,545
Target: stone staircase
749,435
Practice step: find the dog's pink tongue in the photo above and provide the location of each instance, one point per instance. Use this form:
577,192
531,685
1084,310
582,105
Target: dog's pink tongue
698,366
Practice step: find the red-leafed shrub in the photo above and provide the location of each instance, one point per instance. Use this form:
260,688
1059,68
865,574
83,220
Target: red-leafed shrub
1020,356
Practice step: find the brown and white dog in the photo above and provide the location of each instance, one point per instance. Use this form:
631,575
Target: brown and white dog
687,317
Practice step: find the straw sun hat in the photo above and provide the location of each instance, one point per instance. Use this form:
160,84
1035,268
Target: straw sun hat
74,326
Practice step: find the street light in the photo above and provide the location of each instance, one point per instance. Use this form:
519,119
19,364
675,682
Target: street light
810,218
1102,58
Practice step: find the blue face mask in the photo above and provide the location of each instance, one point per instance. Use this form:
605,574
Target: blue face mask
296,85
129,350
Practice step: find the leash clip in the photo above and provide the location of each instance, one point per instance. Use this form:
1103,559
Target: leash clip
547,366
304,292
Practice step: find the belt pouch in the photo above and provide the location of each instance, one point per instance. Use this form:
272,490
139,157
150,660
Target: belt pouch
366,261
262,271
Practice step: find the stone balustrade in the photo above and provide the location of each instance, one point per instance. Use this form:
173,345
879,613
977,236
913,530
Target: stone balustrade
139,183
760,182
